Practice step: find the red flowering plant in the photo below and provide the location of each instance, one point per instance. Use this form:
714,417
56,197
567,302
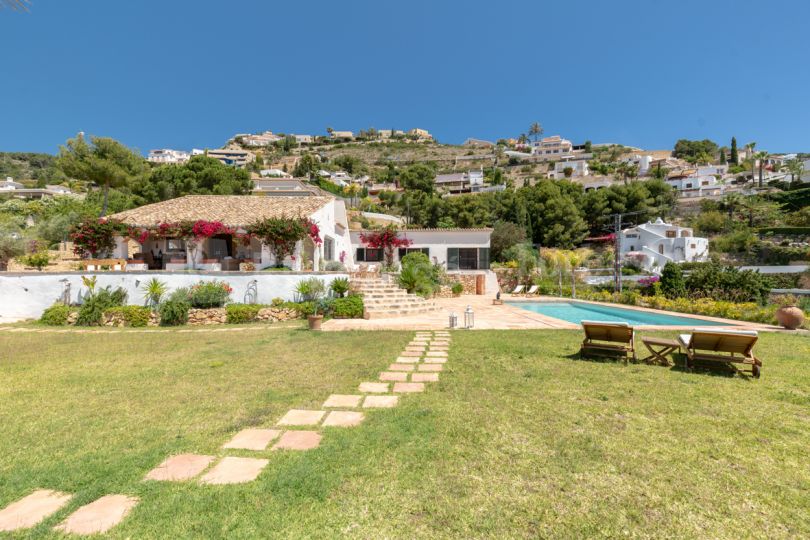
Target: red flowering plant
388,240
193,232
138,234
96,237
281,234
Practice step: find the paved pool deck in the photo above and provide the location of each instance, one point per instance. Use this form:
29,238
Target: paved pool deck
508,316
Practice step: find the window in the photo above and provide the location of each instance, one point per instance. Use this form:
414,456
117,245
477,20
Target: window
405,251
661,249
467,258
672,234
693,246
369,255
632,248
329,249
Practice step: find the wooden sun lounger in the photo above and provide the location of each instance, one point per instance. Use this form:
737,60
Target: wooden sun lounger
608,339
518,290
724,346
532,290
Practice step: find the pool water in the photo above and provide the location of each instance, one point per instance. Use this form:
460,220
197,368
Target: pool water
576,312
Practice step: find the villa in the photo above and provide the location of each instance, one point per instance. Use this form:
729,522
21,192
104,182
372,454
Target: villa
455,249
694,183
553,147
653,244
463,182
225,251
18,190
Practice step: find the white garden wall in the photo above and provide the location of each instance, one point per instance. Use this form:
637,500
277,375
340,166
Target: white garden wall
26,295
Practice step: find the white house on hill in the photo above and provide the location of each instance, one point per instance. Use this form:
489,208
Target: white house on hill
653,244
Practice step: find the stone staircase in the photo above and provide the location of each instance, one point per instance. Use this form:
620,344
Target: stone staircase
384,299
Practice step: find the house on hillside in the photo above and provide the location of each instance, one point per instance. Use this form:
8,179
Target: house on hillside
691,183
17,190
260,139
653,244
457,250
554,147
226,251
463,182
578,168
304,139
421,134
284,187
478,143
229,156
167,155
348,135
274,173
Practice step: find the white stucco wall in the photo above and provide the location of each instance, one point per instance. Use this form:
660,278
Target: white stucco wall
438,240
26,295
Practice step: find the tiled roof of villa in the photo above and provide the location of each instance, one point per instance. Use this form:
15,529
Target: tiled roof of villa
232,210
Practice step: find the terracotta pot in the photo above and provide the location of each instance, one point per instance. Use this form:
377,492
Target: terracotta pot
315,322
790,317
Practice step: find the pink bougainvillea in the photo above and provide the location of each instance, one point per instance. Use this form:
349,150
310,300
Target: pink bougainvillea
387,239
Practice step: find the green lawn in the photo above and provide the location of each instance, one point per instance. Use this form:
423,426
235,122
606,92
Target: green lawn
519,439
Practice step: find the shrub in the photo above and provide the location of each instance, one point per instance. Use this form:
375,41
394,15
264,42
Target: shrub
135,316
56,315
340,286
334,266
92,309
729,284
310,289
305,308
153,291
209,294
241,313
350,307
457,288
673,285
174,311
417,275
38,260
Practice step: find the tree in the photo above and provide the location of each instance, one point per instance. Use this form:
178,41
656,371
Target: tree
735,156
684,148
419,176
505,235
722,156
201,175
759,158
306,167
796,168
104,162
386,239
673,285
535,131
11,245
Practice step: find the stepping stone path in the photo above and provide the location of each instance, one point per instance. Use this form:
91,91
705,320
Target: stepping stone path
180,467
235,470
419,364
32,509
99,516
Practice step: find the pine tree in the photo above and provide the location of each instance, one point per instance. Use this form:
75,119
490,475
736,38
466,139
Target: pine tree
735,157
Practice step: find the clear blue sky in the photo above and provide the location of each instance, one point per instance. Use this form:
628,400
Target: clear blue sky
185,74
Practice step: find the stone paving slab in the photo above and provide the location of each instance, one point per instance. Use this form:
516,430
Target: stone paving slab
414,349
437,354
408,387
434,360
440,343
411,353
344,419
342,400
407,360
234,470
401,367
439,348
99,516
253,439
180,467
424,377
430,367
418,344
374,387
298,440
380,402
442,334
301,417
393,376
32,509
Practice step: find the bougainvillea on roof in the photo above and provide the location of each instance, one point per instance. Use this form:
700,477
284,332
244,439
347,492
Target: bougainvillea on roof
95,237
281,234
387,239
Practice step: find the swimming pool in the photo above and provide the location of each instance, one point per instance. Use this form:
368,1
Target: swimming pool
576,312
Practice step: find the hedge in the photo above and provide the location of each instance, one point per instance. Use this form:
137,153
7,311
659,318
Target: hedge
785,231
350,307
241,313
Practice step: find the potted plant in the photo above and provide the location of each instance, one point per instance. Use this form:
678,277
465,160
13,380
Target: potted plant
316,318
789,315
313,290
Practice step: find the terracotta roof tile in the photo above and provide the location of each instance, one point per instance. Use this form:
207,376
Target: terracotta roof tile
232,210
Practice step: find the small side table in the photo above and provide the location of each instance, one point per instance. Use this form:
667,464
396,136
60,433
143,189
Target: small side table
659,349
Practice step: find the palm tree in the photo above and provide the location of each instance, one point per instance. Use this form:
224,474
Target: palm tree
535,130
760,157
731,202
523,139
750,155
796,168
